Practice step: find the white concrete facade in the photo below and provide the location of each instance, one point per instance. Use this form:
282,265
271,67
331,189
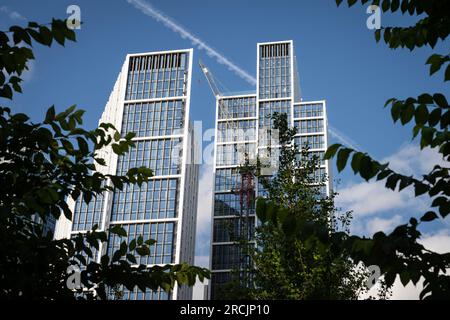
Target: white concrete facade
162,66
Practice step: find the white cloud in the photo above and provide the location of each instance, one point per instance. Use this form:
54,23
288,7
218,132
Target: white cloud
199,287
438,242
369,198
203,237
376,208
13,15
410,160
385,225
205,202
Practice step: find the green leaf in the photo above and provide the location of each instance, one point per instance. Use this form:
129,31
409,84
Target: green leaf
434,117
6,92
404,277
150,242
365,168
395,5
427,137
342,158
389,278
46,36
117,229
83,145
132,245
130,135
143,251
377,34
396,110
429,216
50,115
356,160
425,98
420,188
421,114
440,100
407,113
331,151
131,258
385,6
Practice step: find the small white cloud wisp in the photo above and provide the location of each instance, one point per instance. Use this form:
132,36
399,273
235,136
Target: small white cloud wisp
13,15
147,9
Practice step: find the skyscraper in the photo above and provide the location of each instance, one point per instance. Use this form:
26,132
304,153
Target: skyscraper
151,97
277,90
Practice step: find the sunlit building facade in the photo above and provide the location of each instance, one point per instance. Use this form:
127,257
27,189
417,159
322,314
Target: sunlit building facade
277,90
151,98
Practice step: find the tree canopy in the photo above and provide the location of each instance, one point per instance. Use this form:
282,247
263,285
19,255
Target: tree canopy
41,166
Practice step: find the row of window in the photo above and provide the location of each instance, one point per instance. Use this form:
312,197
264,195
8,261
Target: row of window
225,257
233,229
274,75
153,118
85,216
311,141
267,109
319,175
274,50
237,107
227,204
235,154
161,252
158,61
308,110
226,179
156,76
309,126
243,130
218,279
136,294
161,155
155,199
318,155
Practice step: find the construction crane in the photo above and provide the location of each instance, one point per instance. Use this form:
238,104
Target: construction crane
211,81
246,187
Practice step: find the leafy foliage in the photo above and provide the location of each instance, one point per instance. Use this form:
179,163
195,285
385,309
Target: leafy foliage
41,166
297,254
14,56
433,26
399,253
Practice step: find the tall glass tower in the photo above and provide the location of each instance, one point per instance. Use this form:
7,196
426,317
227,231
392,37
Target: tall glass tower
241,120
151,97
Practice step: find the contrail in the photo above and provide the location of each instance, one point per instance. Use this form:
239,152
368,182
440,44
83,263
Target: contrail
147,9
343,138
150,11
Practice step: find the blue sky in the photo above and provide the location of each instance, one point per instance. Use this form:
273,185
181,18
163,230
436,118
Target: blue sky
338,60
